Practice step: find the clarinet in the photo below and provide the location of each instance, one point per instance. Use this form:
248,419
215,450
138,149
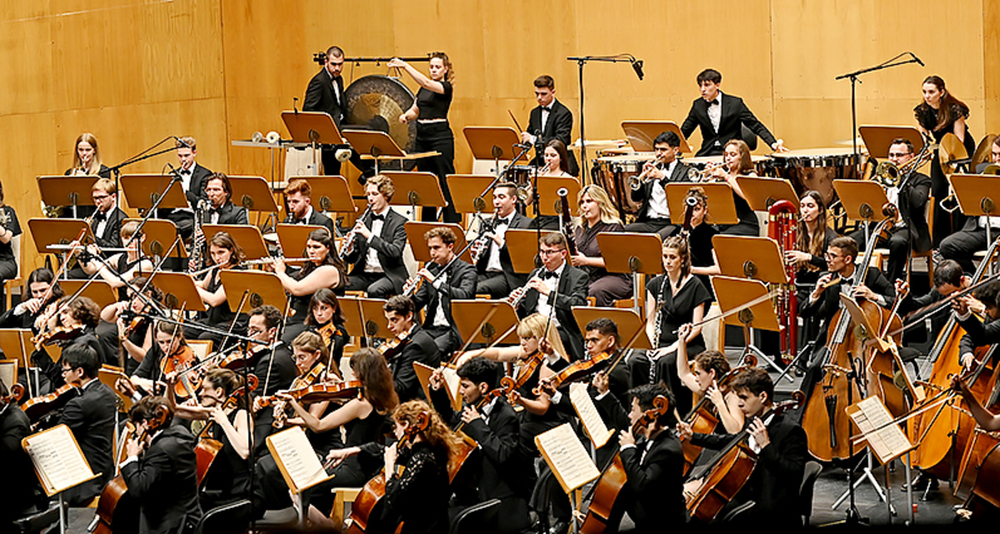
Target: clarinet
481,244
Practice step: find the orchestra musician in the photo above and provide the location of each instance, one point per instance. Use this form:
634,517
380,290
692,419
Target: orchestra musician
223,254
813,236
781,448
550,121
221,210
416,495
598,216
948,279
324,269
136,336
701,376
10,227
161,471
377,250
978,333
326,93
20,492
275,369
86,162
938,114
702,251
560,285
496,276
193,180
446,278
25,314
737,162
911,231
557,160
417,346
327,319
90,415
654,213
298,196
120,267
505,471
72,321
430,110
721,118
105,222
170,342
994,156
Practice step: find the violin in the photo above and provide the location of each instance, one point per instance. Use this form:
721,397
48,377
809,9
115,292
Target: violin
38,407
577,371
527,370
300,382
238,358
180,364
208,448
394,346
326,392
327,332
14,395
59,333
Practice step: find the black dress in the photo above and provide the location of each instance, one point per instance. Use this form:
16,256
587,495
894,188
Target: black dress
8,263
927,117
418,497
437,137
229,476
605,287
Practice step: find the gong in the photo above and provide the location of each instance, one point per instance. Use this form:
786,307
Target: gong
381,96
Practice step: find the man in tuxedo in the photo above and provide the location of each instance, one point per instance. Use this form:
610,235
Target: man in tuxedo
221,208
164,479
560,285
377,253
496,276
550,120
91,418
106,222
298,195
961,246
654,213
418,346
458,282
326,93
503,470
722,117
193,178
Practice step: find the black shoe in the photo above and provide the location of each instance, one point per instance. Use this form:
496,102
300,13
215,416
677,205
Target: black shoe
561,527
920,483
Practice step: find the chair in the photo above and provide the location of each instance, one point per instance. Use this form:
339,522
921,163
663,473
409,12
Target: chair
476,519
228,518
9,285
810,474
342,496
38,521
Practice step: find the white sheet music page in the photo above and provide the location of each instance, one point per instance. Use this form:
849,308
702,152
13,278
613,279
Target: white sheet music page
593,424
567,457
58,461
292,450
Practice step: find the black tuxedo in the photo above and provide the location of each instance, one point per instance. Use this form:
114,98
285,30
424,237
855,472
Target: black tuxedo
828,303
321,97
461,285
645,193
512,280
229,214
91,418
978,334
774,484
164,482
196,191
559,126
420,348
655,494
735,115
571,291
315,218
20,483
389,244
112,237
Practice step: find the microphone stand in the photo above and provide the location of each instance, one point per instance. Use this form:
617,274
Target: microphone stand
135,159
853,76
580,62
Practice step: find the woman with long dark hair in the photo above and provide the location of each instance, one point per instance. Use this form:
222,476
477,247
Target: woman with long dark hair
324,269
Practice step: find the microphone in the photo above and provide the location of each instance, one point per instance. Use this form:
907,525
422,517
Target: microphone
915,58
183,142
637,66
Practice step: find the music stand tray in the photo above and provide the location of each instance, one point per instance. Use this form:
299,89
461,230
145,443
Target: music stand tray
160,234
360,311
631,253
878,138
482,321
66,190
758,258
253,193
493,142
523,247
761,193
292,238
416,189
248,237
976,197
642,134
98,291
179,290
862,200
721,206
549,201
47,232
468,189
331,194
733,293
142,190
264,288
415,235
628,320
376,145
312,127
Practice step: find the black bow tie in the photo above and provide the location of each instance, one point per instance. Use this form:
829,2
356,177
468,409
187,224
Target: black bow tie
549,274
713,102
186,171
505,221
547,108
100,216
378,218
299,221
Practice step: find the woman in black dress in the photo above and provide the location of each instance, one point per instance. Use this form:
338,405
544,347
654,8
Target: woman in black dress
136,334
430,110
597,215
327,320
86,162
325,269
9,228
223,253
813,235
941,113
737,162
703,260
556,165
674,299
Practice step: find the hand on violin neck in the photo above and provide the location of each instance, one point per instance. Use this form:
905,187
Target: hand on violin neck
625,437
470,414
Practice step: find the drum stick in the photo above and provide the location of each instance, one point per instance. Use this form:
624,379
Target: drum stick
515,121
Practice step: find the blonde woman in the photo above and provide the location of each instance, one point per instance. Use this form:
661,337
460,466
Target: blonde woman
87,158
597,215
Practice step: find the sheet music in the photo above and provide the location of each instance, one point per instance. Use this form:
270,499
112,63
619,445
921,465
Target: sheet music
566,456
889,441
451,381
293,452
593,424
59,463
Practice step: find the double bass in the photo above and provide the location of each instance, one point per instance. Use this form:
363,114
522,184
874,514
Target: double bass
824,419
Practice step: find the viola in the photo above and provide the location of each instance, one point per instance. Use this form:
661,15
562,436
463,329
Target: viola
14,395
327,392
38,407
180,364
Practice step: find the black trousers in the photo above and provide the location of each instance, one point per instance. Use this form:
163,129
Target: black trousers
376,285
960,246
438,137
493,284
653,226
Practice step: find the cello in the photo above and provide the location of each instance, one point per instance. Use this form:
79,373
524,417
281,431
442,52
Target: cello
823,417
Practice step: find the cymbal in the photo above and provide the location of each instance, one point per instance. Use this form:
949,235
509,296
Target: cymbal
983,151
849,142
951,150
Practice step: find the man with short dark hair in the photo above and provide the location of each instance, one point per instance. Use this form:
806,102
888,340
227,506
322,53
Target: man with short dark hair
376,255
494,267
550,120
326,93
439,288
654,212
193,177
557,284
722,117
417,346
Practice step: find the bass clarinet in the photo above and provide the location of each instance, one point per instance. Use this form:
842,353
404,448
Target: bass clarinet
783,228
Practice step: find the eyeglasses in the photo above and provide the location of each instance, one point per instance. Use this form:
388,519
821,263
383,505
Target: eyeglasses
549,252
898,154
100,197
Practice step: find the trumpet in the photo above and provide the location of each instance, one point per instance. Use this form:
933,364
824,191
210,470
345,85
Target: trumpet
635,182
705,175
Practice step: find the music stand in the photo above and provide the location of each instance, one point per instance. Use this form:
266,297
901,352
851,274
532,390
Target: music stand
721,206
293,237
735,292
312,128
976,199
45,232
264,288
98,291
468,192
628,321
415,235
547,189
179,290
761,193
495,143
364,317
67,190
642,134
759,259
861,200
378,146
417,188
253,193
16,345
878,138
143,190
247,236
485,321
632,253
331,194
523,248
160,234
